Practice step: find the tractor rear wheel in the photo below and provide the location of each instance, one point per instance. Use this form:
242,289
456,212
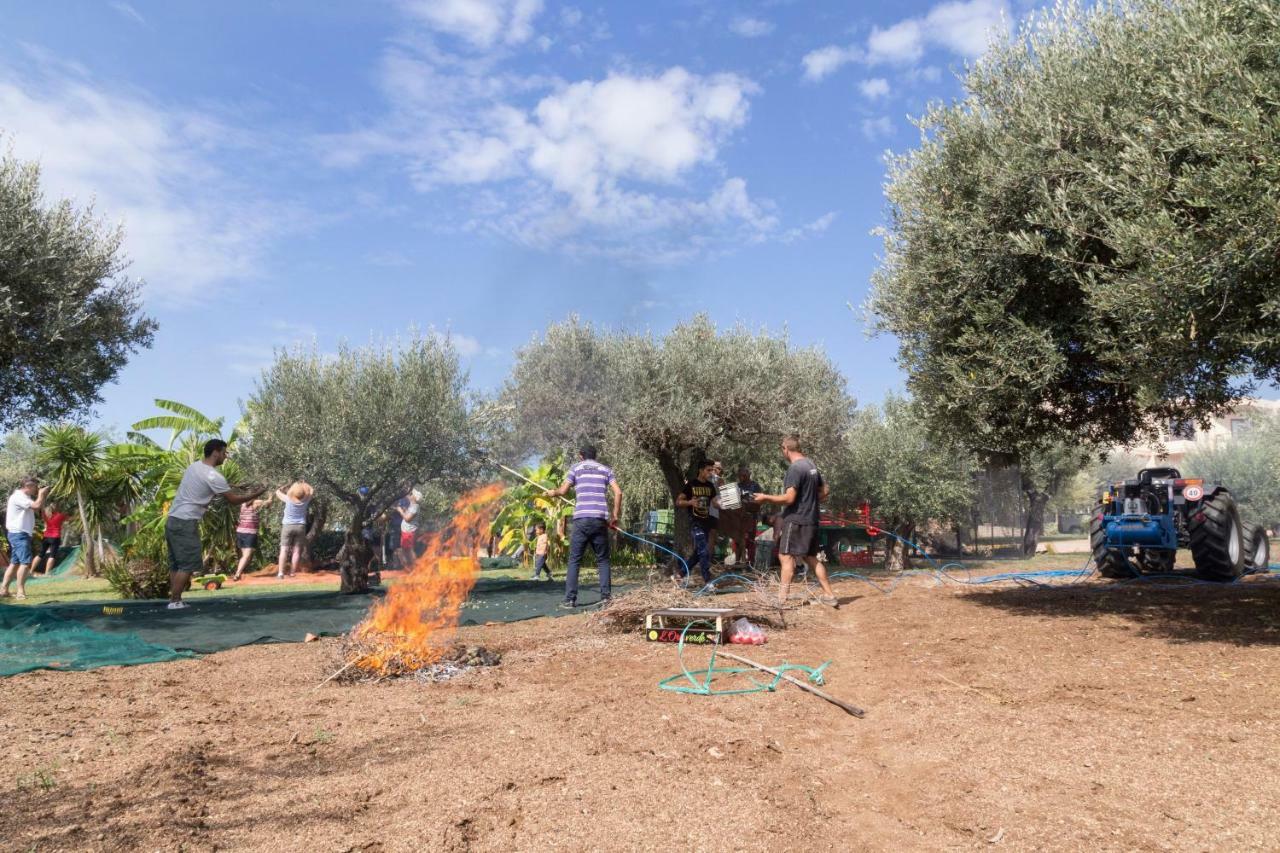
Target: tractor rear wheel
1110,564
1217,539
1257,548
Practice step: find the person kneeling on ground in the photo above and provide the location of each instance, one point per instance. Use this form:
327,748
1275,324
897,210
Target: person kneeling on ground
803,489
201,483
541,546
699,497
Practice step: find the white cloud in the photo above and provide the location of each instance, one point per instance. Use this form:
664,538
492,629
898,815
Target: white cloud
817,226
877,128
482,23
465,345
962,27
188,226
251,359
750,28
827,60
128,11
876,87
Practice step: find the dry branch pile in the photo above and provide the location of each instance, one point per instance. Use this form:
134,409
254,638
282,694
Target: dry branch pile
758,602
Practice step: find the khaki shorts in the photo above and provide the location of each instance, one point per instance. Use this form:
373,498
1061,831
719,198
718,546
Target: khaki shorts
182,535
293,536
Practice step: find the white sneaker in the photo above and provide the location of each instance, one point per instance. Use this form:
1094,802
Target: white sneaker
178,605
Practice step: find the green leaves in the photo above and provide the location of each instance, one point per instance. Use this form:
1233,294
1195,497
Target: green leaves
1086,246
69,317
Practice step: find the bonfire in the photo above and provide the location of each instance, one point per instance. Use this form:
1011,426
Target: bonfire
412,628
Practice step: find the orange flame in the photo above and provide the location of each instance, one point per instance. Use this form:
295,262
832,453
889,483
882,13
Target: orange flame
410,628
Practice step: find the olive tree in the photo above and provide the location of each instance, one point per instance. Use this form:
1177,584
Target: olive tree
1249,466
69,318
908,475
1085,245
697,392
363,425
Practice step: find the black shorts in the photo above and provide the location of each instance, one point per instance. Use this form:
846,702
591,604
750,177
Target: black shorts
49,547
798,540
246,540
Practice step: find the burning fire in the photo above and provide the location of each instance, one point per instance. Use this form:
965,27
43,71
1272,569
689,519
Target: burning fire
411,627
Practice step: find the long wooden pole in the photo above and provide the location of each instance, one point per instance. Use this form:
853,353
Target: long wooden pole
852,709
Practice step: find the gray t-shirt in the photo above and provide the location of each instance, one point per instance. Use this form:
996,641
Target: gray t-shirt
803,476
200,484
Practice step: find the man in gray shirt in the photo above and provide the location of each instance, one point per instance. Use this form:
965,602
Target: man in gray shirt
802,491
201,483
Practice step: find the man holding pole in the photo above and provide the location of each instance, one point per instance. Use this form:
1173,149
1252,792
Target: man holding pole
591,520
802,490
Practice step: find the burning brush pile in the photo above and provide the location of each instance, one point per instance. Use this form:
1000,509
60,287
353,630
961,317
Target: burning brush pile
410,632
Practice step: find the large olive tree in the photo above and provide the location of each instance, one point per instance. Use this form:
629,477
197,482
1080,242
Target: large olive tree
69,317
363,425
694,393
1086,245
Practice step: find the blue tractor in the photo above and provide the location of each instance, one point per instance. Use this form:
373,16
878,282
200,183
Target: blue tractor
1139,525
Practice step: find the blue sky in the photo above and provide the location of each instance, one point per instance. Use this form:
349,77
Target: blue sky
295,171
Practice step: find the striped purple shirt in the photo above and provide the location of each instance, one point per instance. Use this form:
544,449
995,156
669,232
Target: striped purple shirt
590,481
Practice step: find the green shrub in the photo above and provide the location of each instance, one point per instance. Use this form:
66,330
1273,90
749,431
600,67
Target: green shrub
136,577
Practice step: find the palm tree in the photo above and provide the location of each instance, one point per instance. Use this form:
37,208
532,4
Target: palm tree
75,459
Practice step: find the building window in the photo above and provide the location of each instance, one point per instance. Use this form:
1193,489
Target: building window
1182,430
1240,426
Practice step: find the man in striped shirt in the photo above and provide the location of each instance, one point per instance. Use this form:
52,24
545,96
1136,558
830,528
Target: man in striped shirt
592,519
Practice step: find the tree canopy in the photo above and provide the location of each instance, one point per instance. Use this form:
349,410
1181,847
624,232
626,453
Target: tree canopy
1086,244
69,317
697,392
383,417
909,476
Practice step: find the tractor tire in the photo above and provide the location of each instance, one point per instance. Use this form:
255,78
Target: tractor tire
1257,549
1154,561
1217,538
1110,564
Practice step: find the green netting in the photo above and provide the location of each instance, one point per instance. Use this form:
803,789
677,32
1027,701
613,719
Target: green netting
36,638
68,563
218,623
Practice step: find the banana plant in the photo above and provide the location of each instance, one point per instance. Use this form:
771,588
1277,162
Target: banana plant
524,506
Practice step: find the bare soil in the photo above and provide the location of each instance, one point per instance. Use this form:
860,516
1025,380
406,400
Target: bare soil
1134,719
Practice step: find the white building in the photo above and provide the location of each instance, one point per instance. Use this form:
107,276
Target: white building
1182,437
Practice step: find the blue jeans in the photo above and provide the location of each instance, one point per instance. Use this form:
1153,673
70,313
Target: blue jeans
593,532
540,565
701,551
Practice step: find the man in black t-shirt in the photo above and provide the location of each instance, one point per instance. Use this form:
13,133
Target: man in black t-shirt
699,496
802,491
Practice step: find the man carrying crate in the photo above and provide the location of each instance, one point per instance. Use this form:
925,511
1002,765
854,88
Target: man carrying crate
803,490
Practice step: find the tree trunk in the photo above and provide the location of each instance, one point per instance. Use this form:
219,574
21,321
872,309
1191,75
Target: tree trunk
897,555
353,567
315,526
674,479
1034,526
86,539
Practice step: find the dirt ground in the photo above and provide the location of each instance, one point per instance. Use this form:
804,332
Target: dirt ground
1015,718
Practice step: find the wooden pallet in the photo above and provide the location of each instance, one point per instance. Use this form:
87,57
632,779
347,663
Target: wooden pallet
667,626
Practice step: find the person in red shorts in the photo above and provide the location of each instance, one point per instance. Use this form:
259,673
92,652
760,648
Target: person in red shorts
52,541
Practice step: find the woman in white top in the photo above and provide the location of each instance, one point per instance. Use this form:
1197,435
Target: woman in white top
293,527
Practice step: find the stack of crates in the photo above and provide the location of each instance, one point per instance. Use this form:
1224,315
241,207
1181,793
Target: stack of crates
660,522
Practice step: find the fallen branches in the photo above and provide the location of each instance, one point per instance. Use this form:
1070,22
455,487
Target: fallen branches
822,694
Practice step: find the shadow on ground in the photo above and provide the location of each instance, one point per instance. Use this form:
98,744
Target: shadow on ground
1245,613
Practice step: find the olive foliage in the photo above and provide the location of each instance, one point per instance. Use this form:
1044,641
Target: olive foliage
69,317
1086,245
